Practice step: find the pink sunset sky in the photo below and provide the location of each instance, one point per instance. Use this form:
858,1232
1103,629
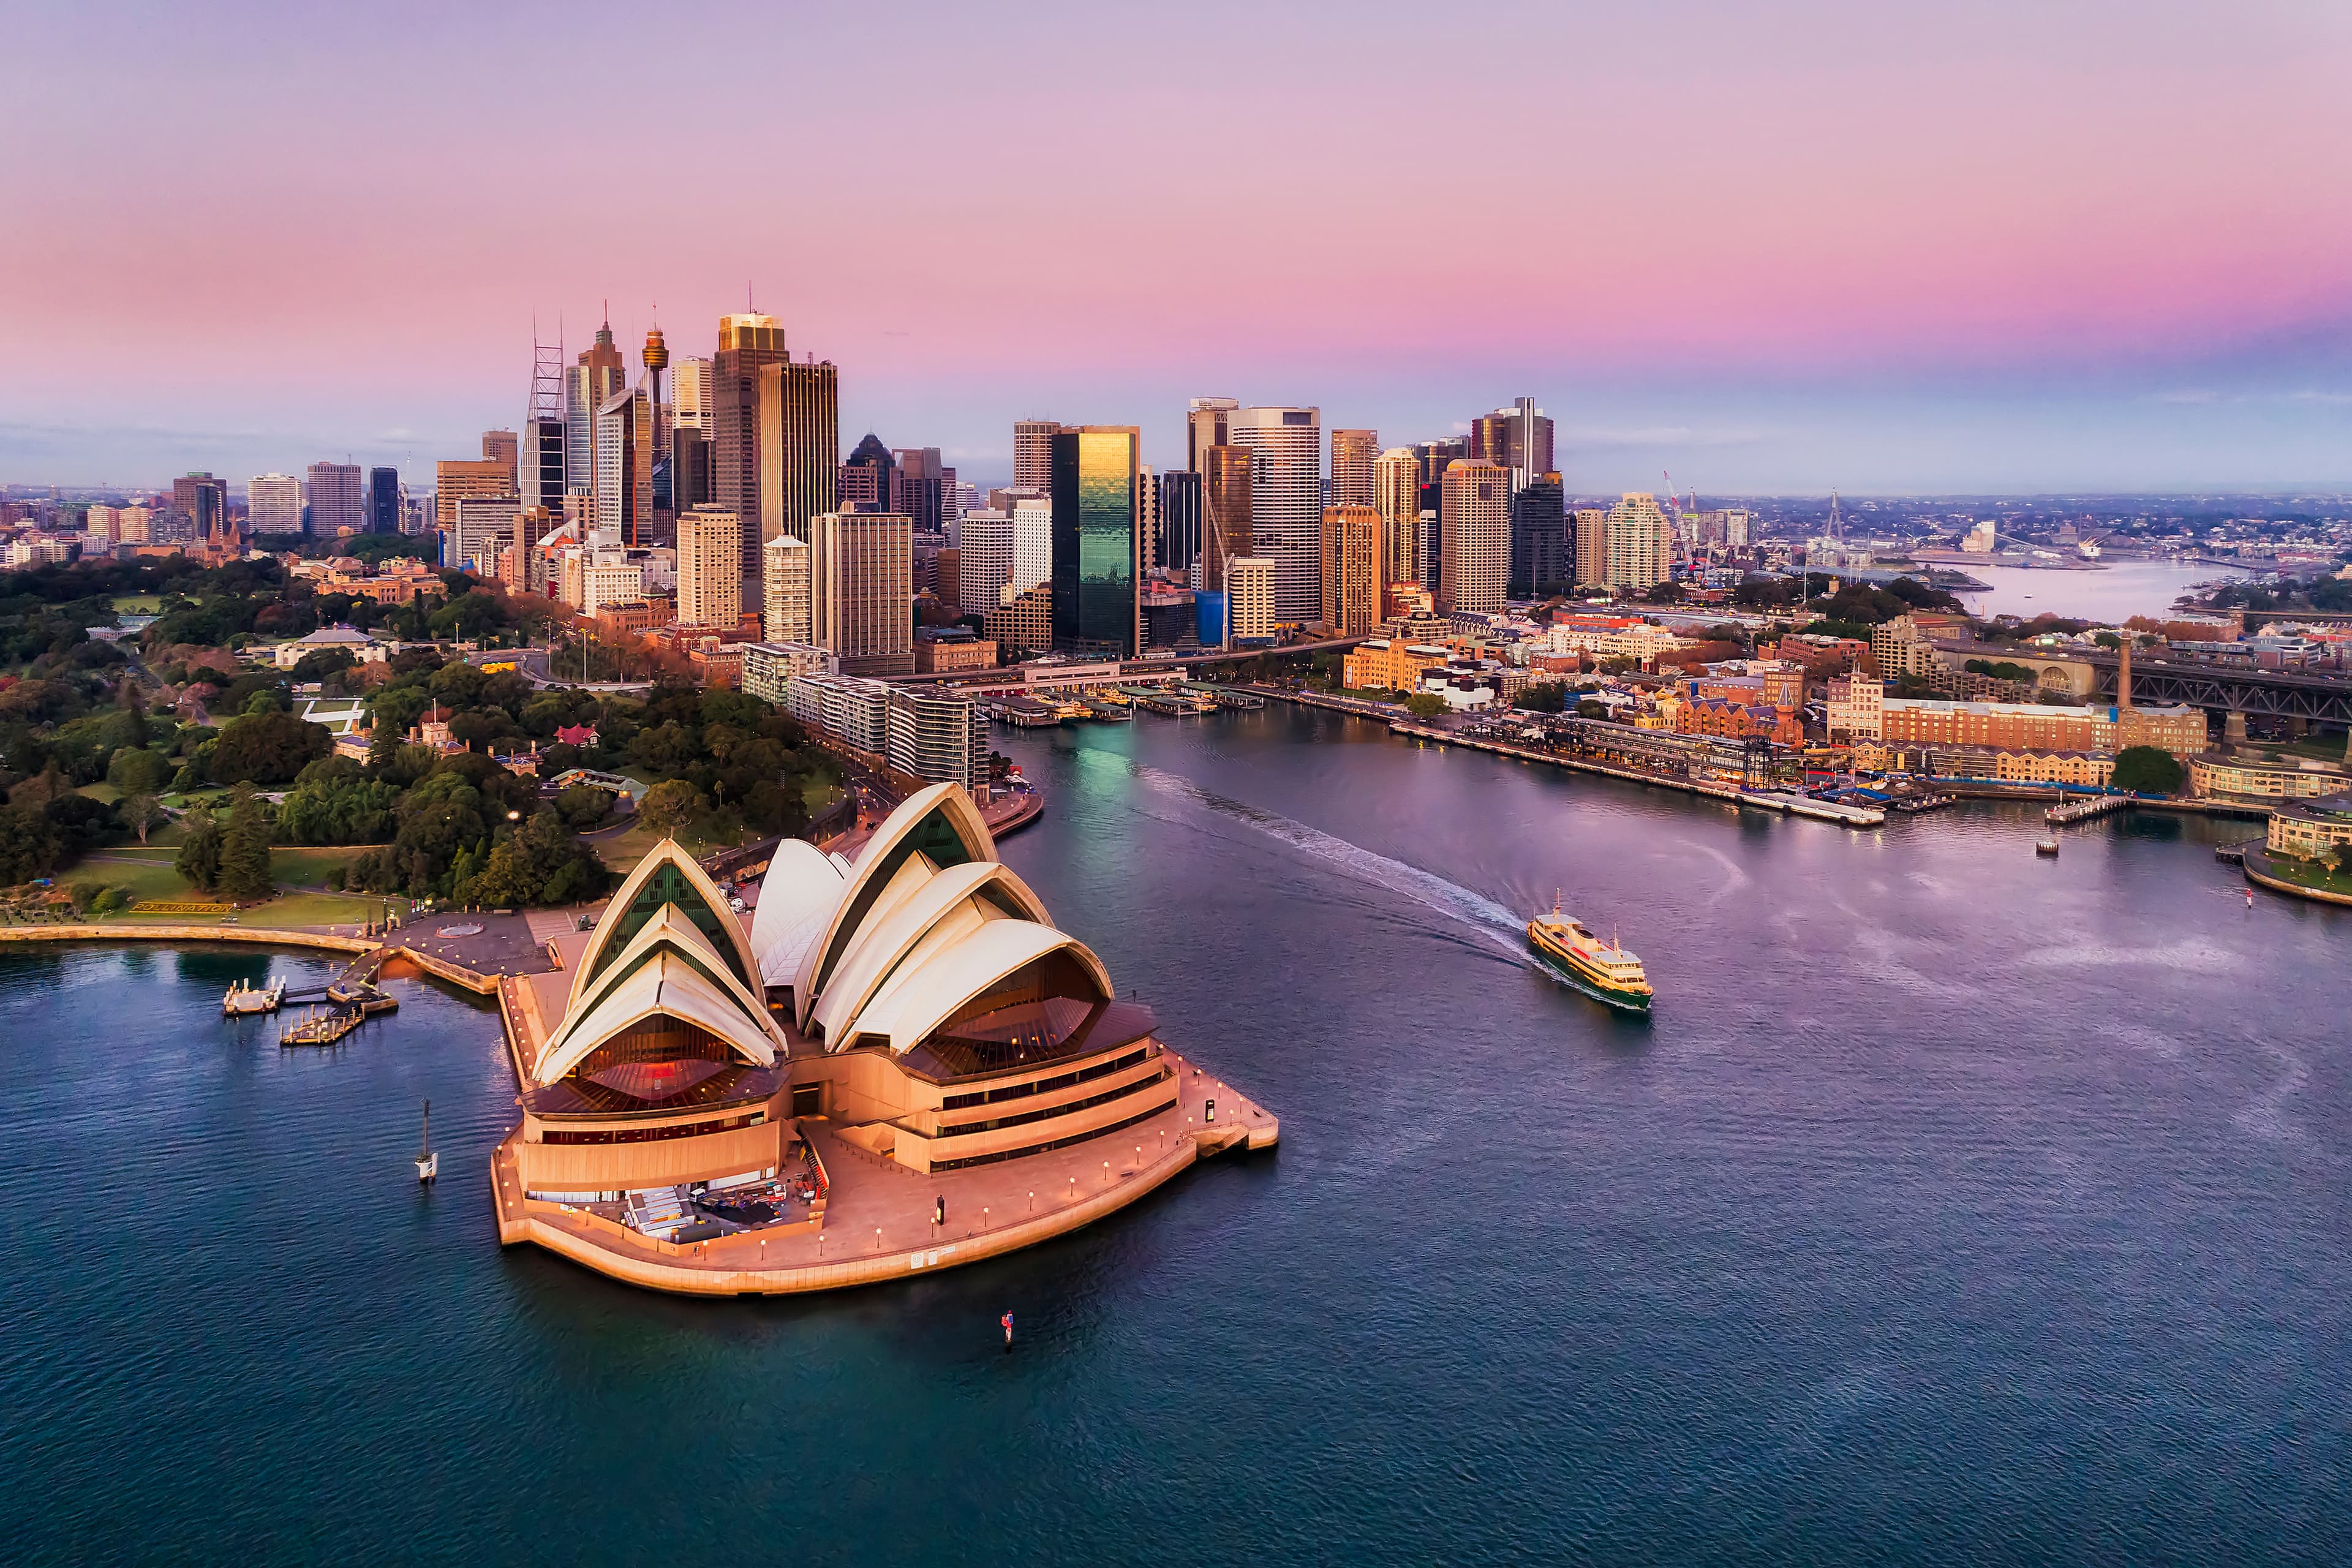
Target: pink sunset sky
1882,246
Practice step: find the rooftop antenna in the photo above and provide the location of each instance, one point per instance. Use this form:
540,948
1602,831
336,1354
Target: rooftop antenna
546,374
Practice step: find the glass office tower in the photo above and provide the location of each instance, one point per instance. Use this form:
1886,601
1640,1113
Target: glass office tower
1095,541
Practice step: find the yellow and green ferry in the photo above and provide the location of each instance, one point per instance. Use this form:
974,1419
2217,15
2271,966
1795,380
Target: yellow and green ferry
1603,968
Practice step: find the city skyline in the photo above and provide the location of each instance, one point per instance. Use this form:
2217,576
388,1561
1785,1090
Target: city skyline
2021,249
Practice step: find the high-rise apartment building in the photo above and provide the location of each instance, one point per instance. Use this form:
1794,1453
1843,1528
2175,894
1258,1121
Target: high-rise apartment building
1033,453
986,564
1208,422
1540,551
1096,547
132,523
338,500
1474,535
784,590
748,343
711,569
861,590
1227,509
1588,538
273,505
1640,548
800,450
100,522
1355,570
1249,599
1179,520
690,395
1286,502
1396,495
1353,454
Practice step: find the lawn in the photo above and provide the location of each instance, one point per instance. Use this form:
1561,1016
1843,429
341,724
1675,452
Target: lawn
138,604
147,874
2301,873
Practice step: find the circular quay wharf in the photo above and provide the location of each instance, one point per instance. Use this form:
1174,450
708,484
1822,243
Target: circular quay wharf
897,1067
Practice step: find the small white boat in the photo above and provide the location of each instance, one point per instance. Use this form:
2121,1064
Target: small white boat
241,1000
428,1164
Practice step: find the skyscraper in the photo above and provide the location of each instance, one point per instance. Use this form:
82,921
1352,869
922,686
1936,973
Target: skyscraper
916,484
1517,437
1147,517
1227,507
1096,611
542,473
1208,422
1640,542
202,502
861,590
711,569
747,344
1588,536
800,450
338,503
1540,549
865,478
1179,520
465,479
784,589
502,446
1396,495
689,467
485,527
1475,536
383,500
273,505
690,396
1286,502
625,466
1355,572
1033,453
1353,453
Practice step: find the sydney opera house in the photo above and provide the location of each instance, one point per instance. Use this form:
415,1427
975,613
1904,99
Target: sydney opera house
901,1064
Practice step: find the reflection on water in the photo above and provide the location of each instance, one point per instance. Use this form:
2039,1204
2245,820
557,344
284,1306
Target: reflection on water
1955,1205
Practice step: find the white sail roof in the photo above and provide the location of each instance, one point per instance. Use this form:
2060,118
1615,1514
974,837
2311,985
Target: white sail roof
922,995
797,898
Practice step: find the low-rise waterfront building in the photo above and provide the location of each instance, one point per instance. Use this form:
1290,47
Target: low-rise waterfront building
1389,664
2213,776
2305,828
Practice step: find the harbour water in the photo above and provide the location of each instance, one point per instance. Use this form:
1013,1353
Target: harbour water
1955,1205
2113,592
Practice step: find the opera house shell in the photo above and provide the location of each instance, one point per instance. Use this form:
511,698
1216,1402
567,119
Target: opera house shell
689,1086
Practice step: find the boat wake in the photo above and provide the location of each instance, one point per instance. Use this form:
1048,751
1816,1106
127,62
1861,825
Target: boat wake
1483,915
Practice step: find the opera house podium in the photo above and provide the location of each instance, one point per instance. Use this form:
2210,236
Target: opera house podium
901,1064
